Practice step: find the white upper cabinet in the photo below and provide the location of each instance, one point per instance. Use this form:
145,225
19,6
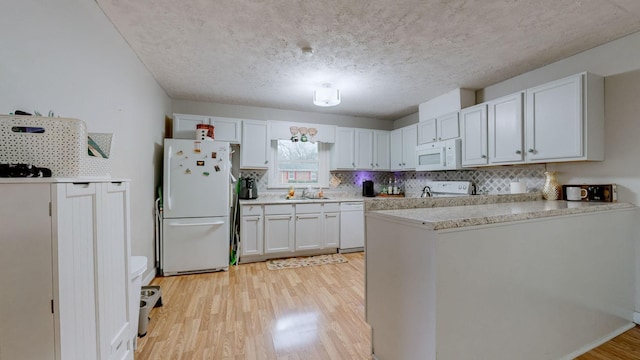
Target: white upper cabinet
254,151
225,129
565,120
342,152
438,129
474,135
505,129
427,131
360,149
364,149
381,150
403,144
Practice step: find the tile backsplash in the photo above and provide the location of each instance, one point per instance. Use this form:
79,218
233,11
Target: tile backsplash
494,180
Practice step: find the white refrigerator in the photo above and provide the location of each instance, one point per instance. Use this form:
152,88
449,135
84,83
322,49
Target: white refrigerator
196,207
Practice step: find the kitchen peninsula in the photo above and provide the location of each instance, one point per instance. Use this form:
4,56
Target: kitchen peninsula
516,279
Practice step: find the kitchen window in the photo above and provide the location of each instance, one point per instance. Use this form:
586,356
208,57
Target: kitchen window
298,164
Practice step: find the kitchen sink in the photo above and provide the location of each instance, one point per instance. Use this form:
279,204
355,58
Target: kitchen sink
308,199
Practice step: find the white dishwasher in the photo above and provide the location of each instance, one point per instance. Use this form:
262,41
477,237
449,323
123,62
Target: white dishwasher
351,226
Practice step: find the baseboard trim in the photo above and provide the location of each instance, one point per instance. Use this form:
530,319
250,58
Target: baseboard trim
148,278
598,342
636,317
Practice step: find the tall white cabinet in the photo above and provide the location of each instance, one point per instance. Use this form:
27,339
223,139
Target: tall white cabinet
65,265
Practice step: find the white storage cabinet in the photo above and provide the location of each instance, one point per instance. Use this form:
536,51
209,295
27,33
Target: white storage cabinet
441,128
331,225
403,144
279,228
65,265
308,226
254,151
474,134
565,120
251,230
505,135
225,129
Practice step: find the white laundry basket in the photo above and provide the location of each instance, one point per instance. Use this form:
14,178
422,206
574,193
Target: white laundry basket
59,144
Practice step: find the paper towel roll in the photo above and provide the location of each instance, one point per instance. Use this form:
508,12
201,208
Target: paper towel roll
518,188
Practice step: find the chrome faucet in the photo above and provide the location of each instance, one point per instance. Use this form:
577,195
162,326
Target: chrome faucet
426,192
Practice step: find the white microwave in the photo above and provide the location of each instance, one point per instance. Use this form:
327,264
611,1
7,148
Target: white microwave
441,155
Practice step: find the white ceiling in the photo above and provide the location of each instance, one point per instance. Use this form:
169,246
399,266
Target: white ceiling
386,56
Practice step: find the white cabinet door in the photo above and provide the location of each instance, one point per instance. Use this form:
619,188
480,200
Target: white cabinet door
409,143
474,135
279,228
27,326
254,152
184,125
251,235
554,120
331,230
395,150
403,143
427,131
226,129
381,149
448,126
278,233
505,137
343,151
76,236
112,265
364,149
308,231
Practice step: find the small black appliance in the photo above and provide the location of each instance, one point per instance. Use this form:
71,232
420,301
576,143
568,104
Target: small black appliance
248,188
367,188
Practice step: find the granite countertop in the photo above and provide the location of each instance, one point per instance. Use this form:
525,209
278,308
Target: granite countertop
451,217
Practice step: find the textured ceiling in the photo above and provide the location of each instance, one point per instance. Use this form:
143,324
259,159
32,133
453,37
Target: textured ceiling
386,56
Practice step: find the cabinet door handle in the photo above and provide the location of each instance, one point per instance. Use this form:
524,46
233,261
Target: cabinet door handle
483,156
266,162
371,164
353,164
531,151
403,164
434,139
439,138
377,164
518,152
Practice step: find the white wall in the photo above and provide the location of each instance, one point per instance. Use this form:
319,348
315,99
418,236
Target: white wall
260,113
619,62
66,56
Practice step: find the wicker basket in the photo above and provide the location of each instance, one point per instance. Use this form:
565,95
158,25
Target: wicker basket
59,144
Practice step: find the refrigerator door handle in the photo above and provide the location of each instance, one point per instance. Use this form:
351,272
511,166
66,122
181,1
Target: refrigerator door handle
169,177
198,224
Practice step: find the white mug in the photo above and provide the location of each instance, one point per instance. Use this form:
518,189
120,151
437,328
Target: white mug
575,193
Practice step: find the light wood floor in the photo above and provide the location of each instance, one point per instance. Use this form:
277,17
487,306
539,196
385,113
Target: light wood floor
308,313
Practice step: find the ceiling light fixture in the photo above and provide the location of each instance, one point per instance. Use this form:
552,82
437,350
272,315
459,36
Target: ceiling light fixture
326,96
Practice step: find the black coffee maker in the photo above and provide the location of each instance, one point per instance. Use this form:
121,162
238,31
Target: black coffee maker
367,188
248,188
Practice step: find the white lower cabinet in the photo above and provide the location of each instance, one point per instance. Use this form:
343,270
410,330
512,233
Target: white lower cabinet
270,231
331,226
278,228
308,226
65,270
251,230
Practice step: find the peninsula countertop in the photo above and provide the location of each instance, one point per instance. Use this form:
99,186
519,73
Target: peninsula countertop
451,217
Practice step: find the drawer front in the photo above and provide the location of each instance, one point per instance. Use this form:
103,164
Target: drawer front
278,209
308,208
251,210
331,207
